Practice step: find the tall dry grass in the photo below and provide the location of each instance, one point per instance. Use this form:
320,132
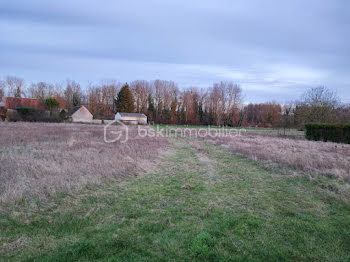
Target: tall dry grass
40,159
327,158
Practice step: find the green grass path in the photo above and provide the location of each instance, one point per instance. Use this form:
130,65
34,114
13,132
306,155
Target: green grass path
233,210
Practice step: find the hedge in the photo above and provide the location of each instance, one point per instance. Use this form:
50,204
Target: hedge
32,115
338,133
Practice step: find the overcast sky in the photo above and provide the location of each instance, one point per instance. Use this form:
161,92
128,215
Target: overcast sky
273,49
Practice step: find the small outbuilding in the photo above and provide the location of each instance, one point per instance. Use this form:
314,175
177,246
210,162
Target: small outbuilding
131,118
80,114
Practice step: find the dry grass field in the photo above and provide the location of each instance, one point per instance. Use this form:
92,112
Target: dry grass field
327,158
38,159
271,146
66,195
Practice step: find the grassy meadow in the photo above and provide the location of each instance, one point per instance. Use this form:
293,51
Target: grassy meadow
184,199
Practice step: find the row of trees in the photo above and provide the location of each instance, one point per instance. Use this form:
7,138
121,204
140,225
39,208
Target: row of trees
163,102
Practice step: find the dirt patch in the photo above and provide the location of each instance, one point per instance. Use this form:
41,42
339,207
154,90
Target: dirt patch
187,186
203,155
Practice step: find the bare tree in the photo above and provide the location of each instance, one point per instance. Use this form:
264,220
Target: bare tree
2,90
94,99
288,110
158,94
190,106
42,90
15,86
141,90
320,96
234,100
223,96
110,91
73,94
317,105
215,100
101,98
343,114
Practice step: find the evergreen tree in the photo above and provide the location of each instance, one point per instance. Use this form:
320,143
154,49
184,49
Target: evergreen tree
51,103
151,108
125,100
150,104
76,100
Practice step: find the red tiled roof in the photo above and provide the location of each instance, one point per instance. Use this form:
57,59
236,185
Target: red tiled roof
16,102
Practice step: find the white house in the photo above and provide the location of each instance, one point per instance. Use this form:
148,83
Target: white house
131,118
81,115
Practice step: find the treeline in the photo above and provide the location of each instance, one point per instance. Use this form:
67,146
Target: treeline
164,102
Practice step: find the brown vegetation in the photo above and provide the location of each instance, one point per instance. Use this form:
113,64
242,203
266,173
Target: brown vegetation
38,159
327,158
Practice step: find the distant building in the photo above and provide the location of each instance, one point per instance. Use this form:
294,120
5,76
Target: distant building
17,102
80,114
131,118
10,105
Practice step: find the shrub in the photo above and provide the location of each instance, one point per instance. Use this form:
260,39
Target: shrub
3,114
51,103
337,133
347,133
30,114
63,115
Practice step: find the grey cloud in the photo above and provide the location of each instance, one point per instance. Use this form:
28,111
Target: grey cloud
270,45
